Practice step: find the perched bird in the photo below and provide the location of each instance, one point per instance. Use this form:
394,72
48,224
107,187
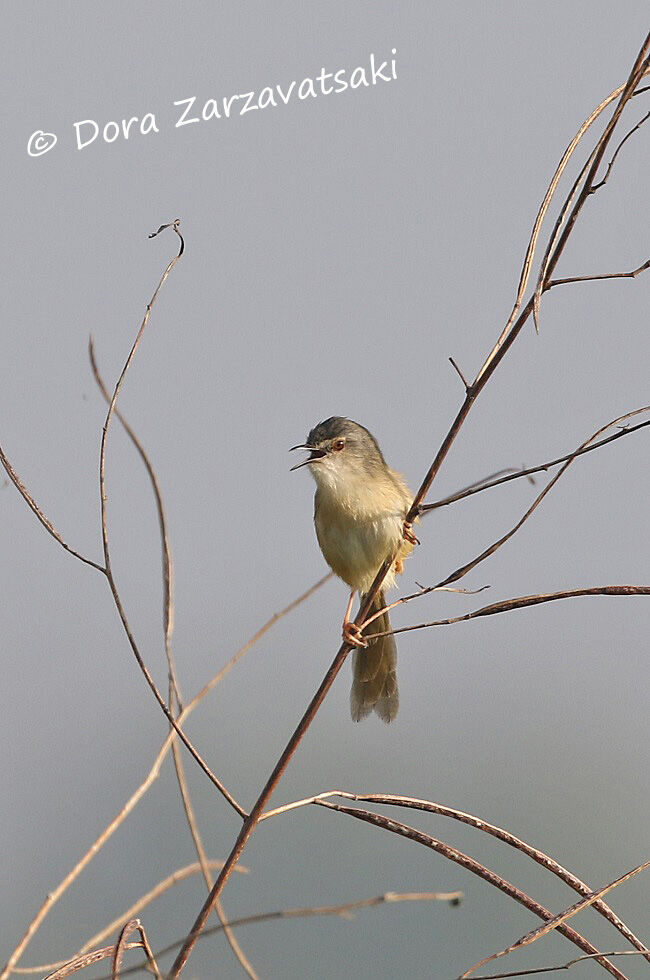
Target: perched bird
360,509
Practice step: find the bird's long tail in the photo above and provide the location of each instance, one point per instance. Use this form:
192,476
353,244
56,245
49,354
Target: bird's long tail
374,671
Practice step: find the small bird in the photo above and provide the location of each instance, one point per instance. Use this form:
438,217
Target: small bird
360,510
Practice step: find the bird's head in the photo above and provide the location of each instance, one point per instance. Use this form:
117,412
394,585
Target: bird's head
341,451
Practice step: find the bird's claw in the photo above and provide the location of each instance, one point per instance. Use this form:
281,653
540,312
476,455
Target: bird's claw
352,635
408,533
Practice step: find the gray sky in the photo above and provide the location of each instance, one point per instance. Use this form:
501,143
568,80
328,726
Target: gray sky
339,249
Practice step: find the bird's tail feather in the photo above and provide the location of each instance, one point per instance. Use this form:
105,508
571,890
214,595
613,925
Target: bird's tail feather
374,671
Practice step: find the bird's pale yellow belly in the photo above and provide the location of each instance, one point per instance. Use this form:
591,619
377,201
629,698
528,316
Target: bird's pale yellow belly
355,545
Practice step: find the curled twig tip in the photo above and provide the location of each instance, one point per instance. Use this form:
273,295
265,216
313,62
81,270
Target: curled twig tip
170,224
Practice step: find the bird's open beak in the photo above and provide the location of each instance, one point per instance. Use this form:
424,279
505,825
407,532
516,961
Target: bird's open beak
316,454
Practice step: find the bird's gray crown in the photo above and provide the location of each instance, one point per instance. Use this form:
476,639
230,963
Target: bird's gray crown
337,428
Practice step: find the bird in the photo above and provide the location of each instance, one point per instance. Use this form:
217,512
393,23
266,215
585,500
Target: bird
360,511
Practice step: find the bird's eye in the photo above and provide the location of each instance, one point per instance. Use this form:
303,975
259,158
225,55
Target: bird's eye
338,445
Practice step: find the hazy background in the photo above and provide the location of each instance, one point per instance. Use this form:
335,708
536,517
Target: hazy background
339,249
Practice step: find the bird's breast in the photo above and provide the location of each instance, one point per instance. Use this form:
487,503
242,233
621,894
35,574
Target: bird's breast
355,539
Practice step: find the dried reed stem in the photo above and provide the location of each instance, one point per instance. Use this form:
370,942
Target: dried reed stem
470,864
493,360
549,863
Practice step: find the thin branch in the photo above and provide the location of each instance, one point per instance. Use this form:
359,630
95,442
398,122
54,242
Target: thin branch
475,487
460,572
115,953
121,946
167,562
470,864
459,373
618,149
494,359
386,799
74,966
556,969
609,275
507,605
74,873
343,911
529,471
541,214
423,590
54,896
233,942
464,569
45,521
107,558
151,959
587,176
557,920
174,689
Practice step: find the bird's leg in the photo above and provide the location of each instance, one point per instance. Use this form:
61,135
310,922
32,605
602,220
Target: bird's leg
407,531
351,632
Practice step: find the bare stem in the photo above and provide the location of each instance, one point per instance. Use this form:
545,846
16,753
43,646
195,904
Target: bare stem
174,689
531,470
344,911
54,896
470,864
464,569
556,969
107,558
607,275
558,920
507,605
45,521
544,860
167,562
493,360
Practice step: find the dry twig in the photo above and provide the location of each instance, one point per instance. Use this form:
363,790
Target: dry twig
345,910
465,861
493,360
555,969
488,552
549,863
54,896
529,471
548,197
584,185
45,521
74,966
106,568
174,690
558,920
107,557
520,602
167,563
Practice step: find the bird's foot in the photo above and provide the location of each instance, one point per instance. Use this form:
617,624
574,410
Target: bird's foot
407,531
352,635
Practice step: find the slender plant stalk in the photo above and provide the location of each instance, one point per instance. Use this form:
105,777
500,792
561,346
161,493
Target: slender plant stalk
493,360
